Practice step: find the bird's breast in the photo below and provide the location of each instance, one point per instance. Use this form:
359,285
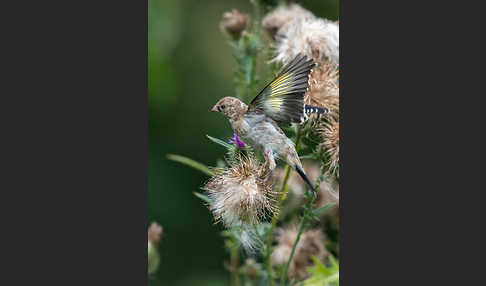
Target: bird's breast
241,127
259,133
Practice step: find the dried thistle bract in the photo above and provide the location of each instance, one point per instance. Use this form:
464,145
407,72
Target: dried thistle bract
324,88
329,132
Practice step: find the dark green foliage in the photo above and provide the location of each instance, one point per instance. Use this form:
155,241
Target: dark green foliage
188,66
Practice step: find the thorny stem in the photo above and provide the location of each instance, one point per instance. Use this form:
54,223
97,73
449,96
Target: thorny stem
275,216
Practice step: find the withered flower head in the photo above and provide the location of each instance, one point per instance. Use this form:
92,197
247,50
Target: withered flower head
234,22
240,194
315,38
329,132
324,88
275,20
155,232
311,243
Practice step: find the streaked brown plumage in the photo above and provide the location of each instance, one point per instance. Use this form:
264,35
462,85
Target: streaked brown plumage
281,101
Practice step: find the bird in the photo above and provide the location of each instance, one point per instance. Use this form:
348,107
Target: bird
280,102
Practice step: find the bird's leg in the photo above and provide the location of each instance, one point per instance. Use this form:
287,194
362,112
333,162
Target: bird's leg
270,160
268,153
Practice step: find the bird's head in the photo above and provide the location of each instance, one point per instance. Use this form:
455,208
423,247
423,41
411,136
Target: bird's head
230,107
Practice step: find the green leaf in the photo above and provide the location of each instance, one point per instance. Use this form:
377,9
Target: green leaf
191,163
228,146
322,275
203,197
334,263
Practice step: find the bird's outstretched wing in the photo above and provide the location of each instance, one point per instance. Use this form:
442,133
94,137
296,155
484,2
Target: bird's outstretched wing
283,98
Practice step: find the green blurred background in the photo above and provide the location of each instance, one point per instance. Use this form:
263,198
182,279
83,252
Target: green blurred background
190,67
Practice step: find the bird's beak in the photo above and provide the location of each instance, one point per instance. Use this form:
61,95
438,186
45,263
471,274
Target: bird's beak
214,109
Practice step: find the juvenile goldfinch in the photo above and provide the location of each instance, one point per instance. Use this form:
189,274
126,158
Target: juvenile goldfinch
282,101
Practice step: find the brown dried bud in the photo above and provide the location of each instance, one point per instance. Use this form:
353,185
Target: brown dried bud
155,233
234,22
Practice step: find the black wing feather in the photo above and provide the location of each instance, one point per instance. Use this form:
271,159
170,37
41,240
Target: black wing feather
283,98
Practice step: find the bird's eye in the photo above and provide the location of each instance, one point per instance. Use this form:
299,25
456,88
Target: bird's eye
222,106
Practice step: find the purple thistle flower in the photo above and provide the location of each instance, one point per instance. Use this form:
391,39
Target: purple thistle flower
237,141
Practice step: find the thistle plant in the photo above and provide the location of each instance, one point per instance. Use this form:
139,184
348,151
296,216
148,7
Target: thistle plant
154,235
277,232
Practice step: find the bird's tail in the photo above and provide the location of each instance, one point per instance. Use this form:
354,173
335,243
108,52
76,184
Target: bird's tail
309,109
304,177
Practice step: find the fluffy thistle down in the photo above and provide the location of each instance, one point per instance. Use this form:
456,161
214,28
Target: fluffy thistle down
234,22
329,132
315,38
311,244
240,194
281,16
324,89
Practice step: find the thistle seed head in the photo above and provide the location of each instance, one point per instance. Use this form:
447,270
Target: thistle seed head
240,193
311,243
316,38
278,18
324,88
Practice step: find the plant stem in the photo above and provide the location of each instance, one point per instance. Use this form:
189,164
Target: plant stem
308,208
258,16
305,218
275,216
272,228
234,265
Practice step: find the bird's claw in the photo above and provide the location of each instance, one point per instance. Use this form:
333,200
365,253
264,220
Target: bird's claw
270,160
272,165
